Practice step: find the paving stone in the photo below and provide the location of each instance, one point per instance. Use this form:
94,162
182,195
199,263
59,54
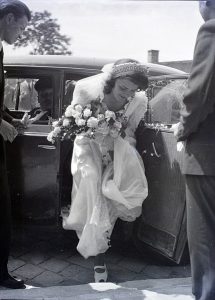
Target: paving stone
133,264
116,273
14,264
48,278
79,260
61,254
113,257
60,258
28,271
181,271
140,276
78,273
35,257
30,283
18,251
43,246
69,282
153,271
54,265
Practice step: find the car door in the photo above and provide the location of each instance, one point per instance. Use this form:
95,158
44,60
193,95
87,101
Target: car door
161,227
33,163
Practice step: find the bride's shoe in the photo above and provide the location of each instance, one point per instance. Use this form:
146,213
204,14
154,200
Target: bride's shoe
100,276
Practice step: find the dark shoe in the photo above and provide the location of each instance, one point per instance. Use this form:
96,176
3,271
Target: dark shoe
12,283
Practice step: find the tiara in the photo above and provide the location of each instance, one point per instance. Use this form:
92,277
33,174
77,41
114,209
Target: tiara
127,69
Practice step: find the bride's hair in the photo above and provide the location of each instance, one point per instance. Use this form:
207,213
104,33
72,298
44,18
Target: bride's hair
137,77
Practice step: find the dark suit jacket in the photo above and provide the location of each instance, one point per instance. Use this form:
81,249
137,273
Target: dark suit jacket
1,85
197,124
4,112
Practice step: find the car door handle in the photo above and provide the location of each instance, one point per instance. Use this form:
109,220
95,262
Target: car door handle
155,151
47,147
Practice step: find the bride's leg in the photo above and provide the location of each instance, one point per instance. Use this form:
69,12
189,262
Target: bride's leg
100,270
99,260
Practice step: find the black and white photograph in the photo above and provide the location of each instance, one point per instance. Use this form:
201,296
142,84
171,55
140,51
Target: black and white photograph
107,154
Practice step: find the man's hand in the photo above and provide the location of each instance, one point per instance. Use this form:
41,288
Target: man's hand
7,131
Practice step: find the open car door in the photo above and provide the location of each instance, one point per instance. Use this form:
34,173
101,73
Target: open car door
162,225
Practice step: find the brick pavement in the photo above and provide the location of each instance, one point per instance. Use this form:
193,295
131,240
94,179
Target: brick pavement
45,258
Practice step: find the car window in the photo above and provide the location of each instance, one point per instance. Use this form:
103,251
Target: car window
166,101
20,94
32,95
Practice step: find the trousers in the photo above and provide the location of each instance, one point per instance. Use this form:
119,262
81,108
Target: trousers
200,201
5,213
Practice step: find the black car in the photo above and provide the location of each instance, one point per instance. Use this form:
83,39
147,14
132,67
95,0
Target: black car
39,172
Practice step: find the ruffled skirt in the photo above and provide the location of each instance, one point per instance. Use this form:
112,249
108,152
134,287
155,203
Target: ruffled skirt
101,194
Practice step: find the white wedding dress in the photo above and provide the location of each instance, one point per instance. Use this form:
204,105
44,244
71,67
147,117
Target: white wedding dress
101,192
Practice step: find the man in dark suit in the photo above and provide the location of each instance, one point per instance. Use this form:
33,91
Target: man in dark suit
14,17
197,131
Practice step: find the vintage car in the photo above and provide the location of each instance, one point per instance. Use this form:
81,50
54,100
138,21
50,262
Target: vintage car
39,172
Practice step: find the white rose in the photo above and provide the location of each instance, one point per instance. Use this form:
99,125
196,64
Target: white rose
66,122
92,122
110,114
78,108
50,137
72,113
87,112
54,124
56,131
69,111
80,122
100,117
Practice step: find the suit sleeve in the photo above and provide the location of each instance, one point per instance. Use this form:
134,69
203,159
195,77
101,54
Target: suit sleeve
200,95
6,115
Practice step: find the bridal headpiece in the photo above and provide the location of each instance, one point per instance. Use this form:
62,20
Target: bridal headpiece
124,69
127,69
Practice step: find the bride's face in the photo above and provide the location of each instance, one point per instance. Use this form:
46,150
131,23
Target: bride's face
123,89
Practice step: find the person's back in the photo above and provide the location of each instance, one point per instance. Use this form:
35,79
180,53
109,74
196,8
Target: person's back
197,129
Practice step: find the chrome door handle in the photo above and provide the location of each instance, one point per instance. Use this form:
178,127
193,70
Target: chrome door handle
155,151
47,147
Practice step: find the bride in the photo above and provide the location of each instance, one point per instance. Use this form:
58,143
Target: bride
108,174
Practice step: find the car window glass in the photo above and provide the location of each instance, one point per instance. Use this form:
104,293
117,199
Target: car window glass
165,101
32,95
20,94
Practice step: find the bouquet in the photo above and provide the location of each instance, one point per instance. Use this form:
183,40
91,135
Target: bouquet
88,120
